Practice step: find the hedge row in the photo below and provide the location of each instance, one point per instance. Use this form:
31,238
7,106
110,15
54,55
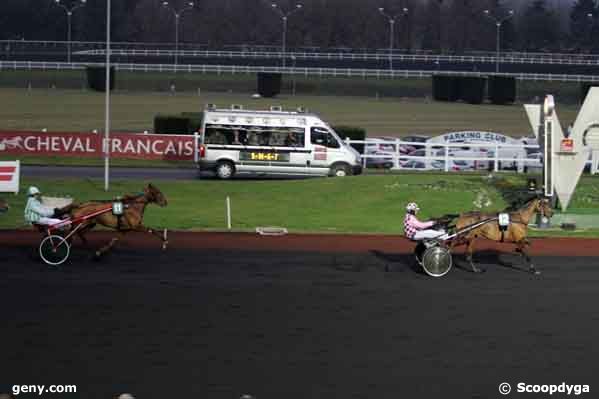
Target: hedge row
502,90
96,78
269,84
190,122
185,123
354,133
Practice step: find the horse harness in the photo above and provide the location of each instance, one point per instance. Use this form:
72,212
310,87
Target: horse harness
124,204
505,219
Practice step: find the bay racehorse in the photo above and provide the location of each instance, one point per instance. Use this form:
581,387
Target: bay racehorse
131,219
515,233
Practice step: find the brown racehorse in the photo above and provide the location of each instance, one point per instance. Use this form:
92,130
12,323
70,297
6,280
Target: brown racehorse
515,233
130,220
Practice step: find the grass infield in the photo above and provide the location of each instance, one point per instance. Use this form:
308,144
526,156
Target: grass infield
360,204
83,111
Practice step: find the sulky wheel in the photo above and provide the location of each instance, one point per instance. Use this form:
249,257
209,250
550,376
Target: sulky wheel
54,250
437,261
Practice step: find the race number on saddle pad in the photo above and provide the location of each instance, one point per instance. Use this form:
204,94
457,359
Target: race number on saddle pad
504,219
117,208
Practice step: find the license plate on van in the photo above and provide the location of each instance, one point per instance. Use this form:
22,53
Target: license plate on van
263,156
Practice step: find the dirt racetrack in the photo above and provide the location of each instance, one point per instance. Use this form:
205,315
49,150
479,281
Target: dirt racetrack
223,315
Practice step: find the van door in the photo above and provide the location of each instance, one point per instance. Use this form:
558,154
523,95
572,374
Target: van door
325,150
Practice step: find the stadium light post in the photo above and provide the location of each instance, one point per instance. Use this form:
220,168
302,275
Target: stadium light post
591,19
293,82
69,11
392,19
107,102
284,17
177,14
498,23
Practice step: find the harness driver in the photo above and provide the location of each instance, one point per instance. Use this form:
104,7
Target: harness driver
36,212
415,229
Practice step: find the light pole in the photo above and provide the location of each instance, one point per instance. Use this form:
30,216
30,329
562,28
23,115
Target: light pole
293,83
591,19
284,17
107,102
392,19
498,23
177,14
69,11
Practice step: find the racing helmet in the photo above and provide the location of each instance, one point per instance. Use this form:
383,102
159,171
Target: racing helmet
31,191
412,207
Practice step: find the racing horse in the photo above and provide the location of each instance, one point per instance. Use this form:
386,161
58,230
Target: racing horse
130,220
515,233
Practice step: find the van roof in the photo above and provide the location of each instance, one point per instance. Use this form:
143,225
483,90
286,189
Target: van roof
249,117
258,112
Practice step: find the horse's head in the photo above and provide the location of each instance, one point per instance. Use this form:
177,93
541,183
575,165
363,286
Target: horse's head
543,206
153,194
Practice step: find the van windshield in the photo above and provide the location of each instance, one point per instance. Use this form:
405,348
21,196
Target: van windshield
322,136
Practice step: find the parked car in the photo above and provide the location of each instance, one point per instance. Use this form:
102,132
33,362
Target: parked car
454,165
414,164
383,160
385,144
408,148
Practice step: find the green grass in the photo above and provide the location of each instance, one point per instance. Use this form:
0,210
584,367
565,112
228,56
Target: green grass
360,204
83,111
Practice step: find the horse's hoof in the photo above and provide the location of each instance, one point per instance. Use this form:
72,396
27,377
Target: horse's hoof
164,245
535,272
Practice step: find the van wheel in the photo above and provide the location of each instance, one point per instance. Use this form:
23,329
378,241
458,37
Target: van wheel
225,170
340,170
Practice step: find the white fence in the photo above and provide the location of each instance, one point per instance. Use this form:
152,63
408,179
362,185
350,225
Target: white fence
455,156
539,59
334,72
256,51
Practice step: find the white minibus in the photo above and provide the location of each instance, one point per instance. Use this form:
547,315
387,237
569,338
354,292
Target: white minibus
272,142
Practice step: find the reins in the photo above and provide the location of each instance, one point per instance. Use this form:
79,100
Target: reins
134,198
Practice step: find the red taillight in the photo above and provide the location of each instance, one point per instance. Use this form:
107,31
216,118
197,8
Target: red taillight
202,151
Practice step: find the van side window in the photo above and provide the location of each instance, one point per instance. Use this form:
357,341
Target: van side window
294,138
215,136
321,136
254,136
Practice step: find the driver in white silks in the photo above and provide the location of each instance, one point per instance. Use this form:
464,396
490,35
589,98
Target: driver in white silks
417,230
35,212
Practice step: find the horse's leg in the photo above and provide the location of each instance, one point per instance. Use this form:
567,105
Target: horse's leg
106,247
162,234
521,249
470,253
81,233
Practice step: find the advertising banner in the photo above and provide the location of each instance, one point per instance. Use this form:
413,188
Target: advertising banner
91,145
9,177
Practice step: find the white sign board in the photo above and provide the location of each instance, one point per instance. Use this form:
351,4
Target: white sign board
568,166
10,177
